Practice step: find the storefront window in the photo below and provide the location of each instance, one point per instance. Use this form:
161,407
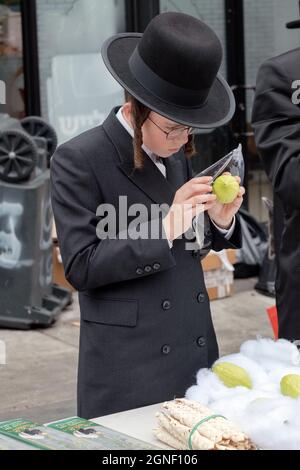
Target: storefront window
77,92
11,59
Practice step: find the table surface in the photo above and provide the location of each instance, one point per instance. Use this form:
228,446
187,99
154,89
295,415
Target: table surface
138,423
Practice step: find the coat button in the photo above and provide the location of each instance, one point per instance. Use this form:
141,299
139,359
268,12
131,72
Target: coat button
139,271
166,349
201,341
200,297
166,305
147,269
195,253
156,266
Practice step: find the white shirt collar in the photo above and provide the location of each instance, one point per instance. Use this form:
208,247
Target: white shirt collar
129,129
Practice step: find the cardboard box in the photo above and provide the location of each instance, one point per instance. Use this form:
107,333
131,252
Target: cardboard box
219,283
218,273
58,273
214,259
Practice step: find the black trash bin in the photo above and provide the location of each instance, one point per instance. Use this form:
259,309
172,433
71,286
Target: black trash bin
28,297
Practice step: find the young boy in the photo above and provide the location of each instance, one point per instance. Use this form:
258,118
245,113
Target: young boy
146,325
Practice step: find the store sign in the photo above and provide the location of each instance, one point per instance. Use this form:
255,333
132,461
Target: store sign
71,125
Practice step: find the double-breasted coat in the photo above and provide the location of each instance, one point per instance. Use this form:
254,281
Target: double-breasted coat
146,325
276,123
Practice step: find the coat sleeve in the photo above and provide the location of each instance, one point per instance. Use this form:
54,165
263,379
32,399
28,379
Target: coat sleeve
213,238
276,124
90,262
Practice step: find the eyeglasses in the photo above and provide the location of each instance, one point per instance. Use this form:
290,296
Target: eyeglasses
174,133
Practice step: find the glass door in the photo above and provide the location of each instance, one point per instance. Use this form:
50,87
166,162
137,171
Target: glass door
77,92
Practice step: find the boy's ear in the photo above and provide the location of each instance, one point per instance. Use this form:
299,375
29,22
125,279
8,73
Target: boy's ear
127,107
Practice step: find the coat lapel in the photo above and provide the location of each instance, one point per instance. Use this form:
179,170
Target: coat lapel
149,180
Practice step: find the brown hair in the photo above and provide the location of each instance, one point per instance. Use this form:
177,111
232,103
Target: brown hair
140,113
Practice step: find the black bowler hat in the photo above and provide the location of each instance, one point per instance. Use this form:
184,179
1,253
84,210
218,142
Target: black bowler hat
294,24
173,69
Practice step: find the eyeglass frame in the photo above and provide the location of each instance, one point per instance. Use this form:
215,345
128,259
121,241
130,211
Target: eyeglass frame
189,129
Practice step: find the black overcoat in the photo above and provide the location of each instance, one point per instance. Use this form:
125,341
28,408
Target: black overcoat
276,123
146,324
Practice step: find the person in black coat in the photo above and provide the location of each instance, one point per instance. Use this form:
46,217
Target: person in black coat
146,325
276,124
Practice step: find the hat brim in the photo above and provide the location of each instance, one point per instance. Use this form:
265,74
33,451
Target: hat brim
293,24
217,110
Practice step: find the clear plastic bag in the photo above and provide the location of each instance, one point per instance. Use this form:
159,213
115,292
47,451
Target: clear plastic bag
233,162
